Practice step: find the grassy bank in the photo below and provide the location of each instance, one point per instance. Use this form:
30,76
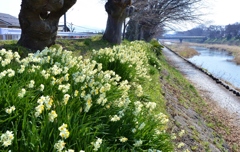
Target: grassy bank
94,97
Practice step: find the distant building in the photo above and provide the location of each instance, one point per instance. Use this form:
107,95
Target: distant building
8,21
61,28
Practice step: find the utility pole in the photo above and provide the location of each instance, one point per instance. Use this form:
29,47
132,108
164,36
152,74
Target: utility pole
65,23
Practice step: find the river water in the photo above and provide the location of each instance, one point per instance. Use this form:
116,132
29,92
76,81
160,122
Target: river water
218,63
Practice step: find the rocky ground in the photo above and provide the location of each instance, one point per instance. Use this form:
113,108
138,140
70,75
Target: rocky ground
221,107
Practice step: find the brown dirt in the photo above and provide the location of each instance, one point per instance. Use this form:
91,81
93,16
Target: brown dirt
198,136
231,130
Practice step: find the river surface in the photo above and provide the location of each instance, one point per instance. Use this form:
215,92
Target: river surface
218,63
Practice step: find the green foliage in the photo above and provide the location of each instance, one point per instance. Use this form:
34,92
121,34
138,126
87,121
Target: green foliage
83,46
56,101
156,47
87,42
12,45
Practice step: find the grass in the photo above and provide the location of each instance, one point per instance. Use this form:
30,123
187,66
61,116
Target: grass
82,46
77,46
183,50
12,45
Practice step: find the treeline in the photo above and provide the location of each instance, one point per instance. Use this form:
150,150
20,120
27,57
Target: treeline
230,31
150,18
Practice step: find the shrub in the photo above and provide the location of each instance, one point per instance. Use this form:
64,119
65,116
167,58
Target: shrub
156,47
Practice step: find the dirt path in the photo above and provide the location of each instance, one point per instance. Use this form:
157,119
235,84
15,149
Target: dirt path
224,105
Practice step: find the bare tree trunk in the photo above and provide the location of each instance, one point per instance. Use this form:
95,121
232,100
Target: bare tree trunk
39,22
139,32
113,32
133,30
117,13
124,29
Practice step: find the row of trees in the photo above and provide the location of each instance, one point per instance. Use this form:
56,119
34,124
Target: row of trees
153,16
145,19
215,31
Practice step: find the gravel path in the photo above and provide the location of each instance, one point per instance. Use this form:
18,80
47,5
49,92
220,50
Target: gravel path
204,83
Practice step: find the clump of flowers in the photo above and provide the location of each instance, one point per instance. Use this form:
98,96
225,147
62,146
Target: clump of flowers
178,138
10,109
42,103
138,143
97,144
181,133
21,93
7,138
115,118
64,133
180,145
52,115
129,62
123,139
60,145
31,84
162,117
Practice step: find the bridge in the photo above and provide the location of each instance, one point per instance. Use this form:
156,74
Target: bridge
180,38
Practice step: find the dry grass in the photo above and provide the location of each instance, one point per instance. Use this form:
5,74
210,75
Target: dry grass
237,58
183,50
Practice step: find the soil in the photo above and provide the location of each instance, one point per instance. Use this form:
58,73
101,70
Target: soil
221,108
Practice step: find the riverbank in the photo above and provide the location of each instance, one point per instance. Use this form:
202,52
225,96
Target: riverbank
218,108
183,50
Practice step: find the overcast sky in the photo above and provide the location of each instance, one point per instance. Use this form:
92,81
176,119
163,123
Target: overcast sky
91,16
223,12
87,15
